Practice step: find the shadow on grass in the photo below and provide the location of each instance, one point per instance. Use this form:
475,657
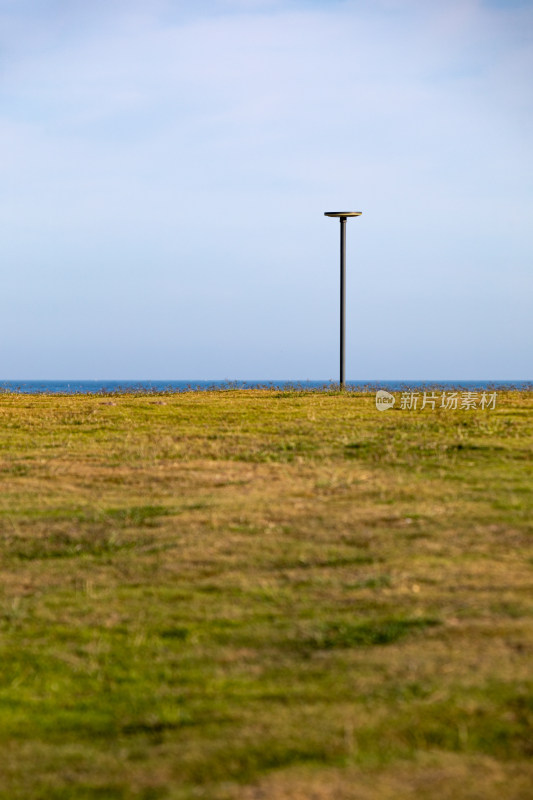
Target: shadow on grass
332,635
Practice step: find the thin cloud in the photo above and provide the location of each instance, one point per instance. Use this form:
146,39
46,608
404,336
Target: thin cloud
125,122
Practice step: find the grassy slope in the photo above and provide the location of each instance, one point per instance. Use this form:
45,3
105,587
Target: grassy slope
264,594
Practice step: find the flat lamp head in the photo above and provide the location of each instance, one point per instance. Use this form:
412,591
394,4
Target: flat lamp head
342,213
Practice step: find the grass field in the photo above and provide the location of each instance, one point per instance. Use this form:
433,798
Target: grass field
265,595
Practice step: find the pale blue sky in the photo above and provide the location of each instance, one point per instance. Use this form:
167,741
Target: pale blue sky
166,166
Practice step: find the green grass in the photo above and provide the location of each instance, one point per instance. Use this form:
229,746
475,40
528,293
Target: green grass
264,594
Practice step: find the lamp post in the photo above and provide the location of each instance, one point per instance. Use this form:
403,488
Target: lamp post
343,216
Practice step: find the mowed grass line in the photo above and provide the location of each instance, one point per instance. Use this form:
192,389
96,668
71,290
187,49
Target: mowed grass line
264,594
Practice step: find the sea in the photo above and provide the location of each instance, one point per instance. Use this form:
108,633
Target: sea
170,386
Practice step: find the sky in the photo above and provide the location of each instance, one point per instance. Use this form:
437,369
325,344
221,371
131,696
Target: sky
166,166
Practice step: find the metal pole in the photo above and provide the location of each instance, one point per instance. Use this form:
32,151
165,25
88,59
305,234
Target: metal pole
343,216
342,381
